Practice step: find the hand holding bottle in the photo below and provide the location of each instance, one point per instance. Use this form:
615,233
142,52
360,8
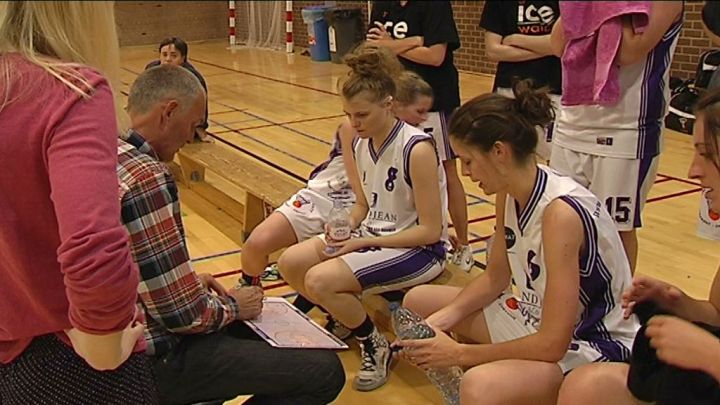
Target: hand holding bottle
338,228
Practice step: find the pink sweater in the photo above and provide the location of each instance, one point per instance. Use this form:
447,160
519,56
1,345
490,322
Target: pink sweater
64,255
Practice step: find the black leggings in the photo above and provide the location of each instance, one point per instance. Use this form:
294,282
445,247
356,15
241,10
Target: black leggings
50,372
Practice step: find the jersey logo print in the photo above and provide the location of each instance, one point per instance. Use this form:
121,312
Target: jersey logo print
535,21
374,200
398,30
392,176
533,269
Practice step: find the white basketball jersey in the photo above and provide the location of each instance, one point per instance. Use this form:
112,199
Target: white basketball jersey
604,269
708,220
632,128
385,176
330,178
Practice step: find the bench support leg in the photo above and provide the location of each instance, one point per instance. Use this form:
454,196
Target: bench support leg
192,172
254,214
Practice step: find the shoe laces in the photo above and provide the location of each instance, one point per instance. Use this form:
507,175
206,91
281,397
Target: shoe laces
368,355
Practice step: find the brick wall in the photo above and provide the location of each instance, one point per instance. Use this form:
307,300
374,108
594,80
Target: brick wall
692,42
148,22
471,56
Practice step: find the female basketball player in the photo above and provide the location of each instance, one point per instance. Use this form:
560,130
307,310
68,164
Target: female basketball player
424,36
413,99
556,241
613,149
690,352
304,215
399,213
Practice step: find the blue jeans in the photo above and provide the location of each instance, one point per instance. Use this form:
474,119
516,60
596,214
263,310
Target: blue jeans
235,361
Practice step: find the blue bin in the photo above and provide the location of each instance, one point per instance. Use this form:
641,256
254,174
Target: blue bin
318,41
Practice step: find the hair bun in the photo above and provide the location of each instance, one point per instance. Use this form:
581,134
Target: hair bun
533,104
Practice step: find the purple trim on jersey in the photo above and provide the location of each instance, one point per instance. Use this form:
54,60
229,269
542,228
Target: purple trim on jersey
388,141
595,292
645,164
335,152
538,189
549,131
405,267
414,140
652,94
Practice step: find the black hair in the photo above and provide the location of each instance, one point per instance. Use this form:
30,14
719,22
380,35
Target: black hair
179,44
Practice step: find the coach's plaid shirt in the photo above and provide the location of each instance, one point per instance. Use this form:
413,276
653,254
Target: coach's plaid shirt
171,294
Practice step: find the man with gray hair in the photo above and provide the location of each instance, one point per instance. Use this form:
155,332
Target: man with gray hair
201,350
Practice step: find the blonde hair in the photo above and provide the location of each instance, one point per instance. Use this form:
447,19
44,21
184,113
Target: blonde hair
410,86
372,69
59,37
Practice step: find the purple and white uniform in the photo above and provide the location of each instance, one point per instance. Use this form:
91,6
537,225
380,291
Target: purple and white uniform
612,149
385,175
308,210
600,332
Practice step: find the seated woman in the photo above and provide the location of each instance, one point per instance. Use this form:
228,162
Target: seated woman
304,215
399,211
689,354
554,239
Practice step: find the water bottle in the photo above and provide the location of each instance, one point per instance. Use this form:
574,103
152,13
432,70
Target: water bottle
409,325
338,225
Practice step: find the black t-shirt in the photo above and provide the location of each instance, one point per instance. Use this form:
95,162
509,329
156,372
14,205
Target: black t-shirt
433,20
711,16
529,18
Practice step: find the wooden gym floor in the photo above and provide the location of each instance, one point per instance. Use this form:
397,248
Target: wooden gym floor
283,110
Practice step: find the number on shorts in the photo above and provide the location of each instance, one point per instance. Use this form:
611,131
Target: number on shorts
619,208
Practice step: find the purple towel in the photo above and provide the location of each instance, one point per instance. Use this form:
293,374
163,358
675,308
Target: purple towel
593,30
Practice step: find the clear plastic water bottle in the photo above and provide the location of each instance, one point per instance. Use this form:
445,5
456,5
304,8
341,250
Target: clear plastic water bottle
338,225
409,325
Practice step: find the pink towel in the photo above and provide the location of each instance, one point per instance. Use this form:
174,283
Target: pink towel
593,30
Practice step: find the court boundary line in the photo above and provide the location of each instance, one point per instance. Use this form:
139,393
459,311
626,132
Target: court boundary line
216,255
259,76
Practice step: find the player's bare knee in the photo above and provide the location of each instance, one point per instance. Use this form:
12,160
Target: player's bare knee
289,262
258,243
416,300
476,386
317,283
588,382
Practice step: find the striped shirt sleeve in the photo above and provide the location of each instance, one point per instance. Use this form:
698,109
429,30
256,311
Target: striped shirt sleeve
170,291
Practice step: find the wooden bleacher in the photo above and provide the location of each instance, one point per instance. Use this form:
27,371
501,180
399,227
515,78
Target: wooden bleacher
264,186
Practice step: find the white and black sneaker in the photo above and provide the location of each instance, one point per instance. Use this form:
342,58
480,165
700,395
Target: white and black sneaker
463,258
375,362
